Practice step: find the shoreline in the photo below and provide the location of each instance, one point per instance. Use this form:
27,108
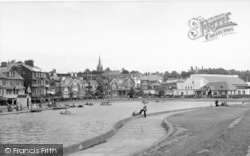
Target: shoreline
45,107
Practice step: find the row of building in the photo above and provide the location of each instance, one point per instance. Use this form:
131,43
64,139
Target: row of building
24,78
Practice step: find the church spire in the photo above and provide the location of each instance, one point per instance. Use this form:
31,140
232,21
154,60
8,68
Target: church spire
99,66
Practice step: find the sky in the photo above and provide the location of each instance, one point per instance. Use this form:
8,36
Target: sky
147,36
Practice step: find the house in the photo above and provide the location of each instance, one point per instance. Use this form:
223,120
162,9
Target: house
150,82
36,80
70,88
121,86
55,85
210,85
75,87
11,83
170,85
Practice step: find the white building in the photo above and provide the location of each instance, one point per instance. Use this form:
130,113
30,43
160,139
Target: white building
212,85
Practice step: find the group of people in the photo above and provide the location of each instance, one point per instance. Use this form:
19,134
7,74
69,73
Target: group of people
18,107
223,103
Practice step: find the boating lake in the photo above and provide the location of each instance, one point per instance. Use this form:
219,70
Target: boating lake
51,127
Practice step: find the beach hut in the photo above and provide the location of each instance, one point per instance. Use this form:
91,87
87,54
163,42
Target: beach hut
24,101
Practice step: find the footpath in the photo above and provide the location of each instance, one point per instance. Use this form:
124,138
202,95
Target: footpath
135,136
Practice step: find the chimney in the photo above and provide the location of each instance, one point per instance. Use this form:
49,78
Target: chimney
3,64
29,62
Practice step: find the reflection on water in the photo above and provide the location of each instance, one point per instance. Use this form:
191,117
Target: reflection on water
84,123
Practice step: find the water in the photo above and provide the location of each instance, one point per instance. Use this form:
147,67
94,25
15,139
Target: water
83,123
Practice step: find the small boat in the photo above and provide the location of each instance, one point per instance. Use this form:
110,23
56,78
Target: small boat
65,112
89,104
35,110
56,108
105,103
80,106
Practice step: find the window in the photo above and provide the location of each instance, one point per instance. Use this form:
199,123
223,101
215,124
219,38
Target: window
18,83
12,82
9,91
11,74
1,83
243,92
4,82
7,82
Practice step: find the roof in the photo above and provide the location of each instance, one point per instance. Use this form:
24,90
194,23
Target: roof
67,81
34,68
151,77
121,81
232,79
218,86
7,69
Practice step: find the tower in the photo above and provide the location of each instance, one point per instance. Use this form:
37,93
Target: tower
99,66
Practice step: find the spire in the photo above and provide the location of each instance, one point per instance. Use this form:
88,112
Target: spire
99,63
99,66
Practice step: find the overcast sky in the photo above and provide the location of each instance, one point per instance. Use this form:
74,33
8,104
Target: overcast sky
144,36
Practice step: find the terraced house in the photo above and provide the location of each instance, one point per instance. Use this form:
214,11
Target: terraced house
11,83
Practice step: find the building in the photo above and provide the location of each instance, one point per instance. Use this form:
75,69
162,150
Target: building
149,83
209,85
36,80
170,85
99,66
75,87
121,86
70,88
11,83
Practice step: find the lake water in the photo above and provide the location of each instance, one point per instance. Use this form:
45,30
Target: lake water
83,123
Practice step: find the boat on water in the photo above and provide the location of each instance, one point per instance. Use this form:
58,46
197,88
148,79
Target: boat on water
65,112
57,108
35,110
89,104
80,106
105,103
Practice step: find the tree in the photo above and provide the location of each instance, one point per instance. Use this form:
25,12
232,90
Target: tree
161,93
124,71
166,75
87,71
174,74
100,91
131,93
107,69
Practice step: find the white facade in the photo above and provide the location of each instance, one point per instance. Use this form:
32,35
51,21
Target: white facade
197,81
